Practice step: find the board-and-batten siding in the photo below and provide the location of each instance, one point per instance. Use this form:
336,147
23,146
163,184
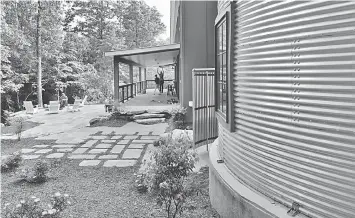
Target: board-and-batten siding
294,102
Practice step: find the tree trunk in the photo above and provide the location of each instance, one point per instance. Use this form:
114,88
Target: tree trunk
39,58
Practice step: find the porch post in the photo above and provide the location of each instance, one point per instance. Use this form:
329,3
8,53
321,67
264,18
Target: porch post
116,77
145,79
131,78
140,80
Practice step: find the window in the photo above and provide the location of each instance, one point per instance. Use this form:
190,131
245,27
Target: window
222,68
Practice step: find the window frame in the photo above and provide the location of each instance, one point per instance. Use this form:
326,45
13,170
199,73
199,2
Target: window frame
225,119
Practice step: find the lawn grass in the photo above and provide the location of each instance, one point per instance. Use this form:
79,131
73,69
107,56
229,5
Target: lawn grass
96,191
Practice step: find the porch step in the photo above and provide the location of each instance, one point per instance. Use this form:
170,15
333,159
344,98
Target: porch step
150,121
148,116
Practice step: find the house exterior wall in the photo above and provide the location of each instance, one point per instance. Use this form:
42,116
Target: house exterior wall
196,43
293,103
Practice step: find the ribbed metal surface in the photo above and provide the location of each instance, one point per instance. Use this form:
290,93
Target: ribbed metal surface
222,4
294,88
204,119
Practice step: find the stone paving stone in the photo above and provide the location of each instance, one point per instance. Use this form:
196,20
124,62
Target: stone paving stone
97,151
143,141
136,146
132,153
65,149
86,163
119,163
123,142
55,155
130,137
82,156
117,149
43,151
25,150
63,146
89,144
30,157
144,137
108,141
80,150
99,137
103,146
40,146
110,156
116,137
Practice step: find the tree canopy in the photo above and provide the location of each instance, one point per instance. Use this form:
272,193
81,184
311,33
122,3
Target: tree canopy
74,36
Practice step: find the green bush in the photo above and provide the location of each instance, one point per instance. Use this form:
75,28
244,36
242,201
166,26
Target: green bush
11,162
167,176
177,119
36,174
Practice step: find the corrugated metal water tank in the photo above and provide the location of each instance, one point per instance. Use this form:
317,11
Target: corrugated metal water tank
294,103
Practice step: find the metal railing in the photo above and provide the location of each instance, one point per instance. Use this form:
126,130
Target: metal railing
130,90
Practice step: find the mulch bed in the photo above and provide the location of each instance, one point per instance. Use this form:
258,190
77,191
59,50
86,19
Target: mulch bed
96,191
111,123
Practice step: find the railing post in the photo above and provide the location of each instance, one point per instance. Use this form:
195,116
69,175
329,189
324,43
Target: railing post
122,94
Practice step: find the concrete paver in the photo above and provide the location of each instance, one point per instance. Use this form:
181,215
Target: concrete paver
123,142
141,146
65,149
117,149
26,150
30,157
86,163
132,154
82,156
97,151
55,155
103,146
108,141
119,163
116,137
43,151
89,144
109,156
80,150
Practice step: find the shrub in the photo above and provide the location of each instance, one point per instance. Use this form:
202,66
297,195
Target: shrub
31,207
167,176
19,124
177,119
11,162
37,174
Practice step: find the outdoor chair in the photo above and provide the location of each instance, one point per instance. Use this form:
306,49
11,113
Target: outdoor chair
75,107
83,102
54,107
29,107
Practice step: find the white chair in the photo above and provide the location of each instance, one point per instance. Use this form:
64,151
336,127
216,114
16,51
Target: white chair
76,106
83,102
29,107
54,107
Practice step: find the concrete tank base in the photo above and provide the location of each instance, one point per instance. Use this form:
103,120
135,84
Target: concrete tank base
232,199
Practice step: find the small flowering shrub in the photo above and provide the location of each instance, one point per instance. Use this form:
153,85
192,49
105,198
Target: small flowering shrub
11,162
32,208
37,174
167,176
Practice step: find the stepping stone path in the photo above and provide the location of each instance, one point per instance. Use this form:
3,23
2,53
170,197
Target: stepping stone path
97,151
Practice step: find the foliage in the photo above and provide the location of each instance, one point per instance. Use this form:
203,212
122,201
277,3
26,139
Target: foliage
11,162
32,208
167,175
36,174
18,122
178,118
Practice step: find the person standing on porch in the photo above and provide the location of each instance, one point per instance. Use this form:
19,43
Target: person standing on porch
161,79
157,83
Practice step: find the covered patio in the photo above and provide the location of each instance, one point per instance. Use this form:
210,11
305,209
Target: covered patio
141,58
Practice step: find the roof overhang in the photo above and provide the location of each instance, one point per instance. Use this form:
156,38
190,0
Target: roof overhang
148,57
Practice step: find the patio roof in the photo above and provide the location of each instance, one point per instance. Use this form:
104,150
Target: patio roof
148,57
